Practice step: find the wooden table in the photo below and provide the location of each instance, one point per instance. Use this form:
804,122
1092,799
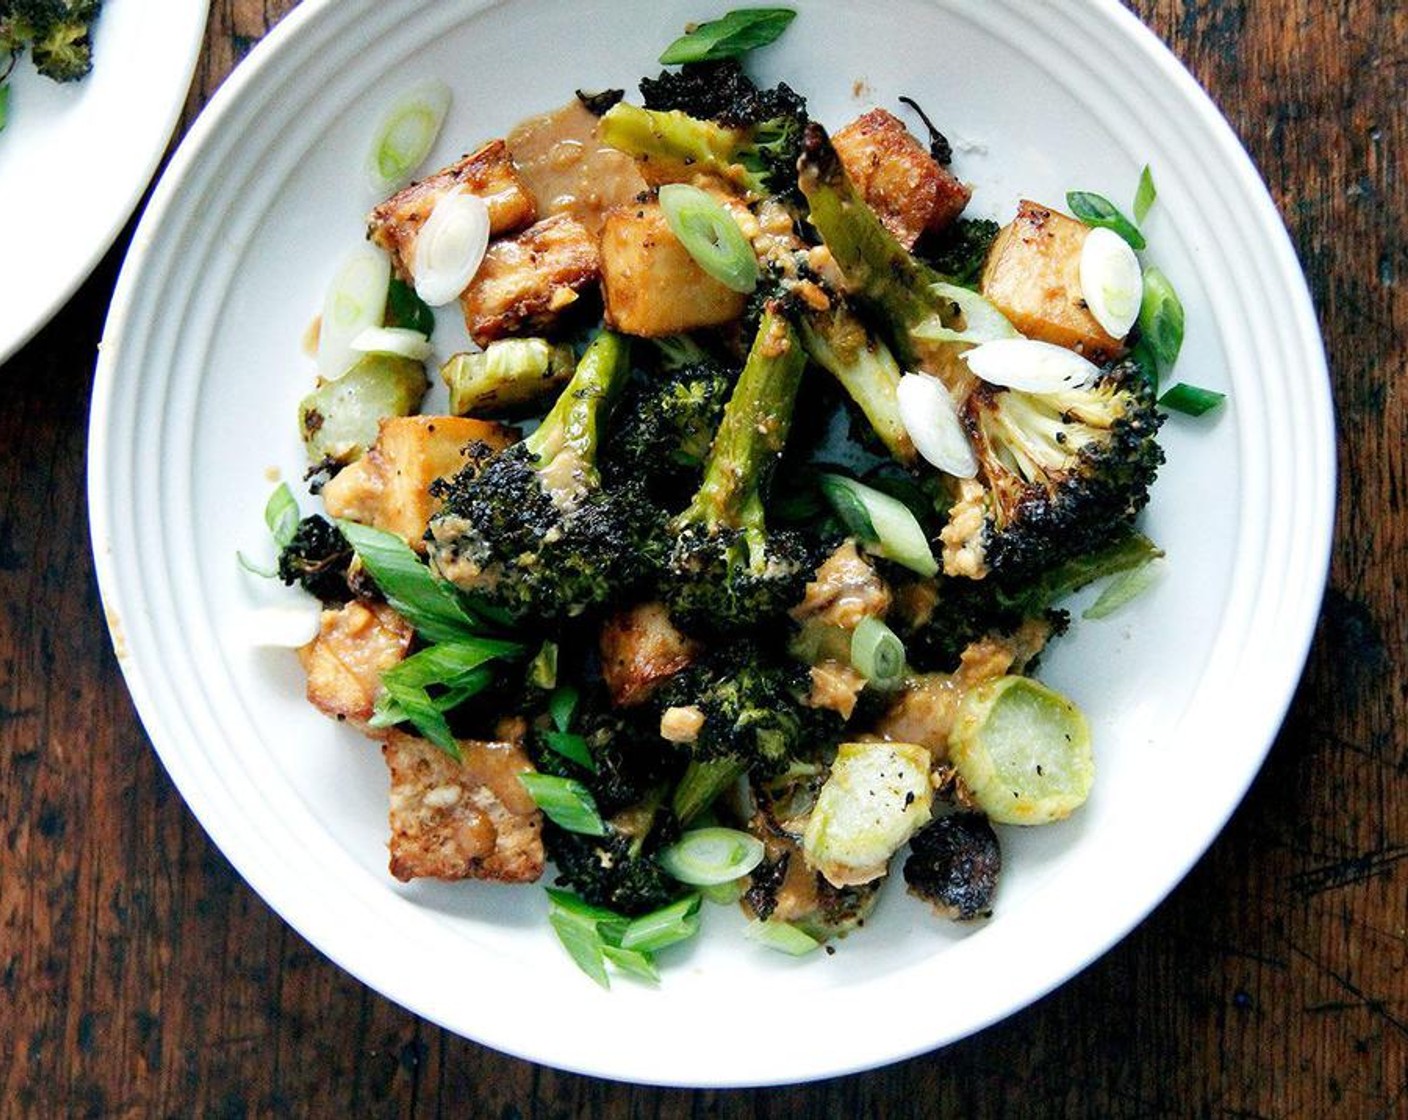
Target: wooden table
140,977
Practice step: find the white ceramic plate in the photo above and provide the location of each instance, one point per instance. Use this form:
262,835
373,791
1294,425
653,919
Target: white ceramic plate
75,158
201,371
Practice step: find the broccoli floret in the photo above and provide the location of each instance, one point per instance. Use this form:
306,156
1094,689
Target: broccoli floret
769,122
618,870
58,34
750,709
954,864
968,609
727,571
533,530
1061,474
710,117
317,559
960,252
669,420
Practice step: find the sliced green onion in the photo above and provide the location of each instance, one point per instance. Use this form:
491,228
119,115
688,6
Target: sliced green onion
4,106
700,786
542,670
667,926
355,300
1161,318
927,411
281,515
405,135
877,654
611,925
399,341
561,704
982,321
1110,281
724,894
581,937
571,746
1124,588
413,591
1145,195
413,704
710,235
1097,210
406,310
450,247
448,663
254,569
706,857
782,936
1192,400
633,962
729,36
567,803
884,525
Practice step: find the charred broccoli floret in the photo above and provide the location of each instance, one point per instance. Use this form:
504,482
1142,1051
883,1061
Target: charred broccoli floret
618,871
1062,474
533,530
317,559
58,33
727,570
968,609
769,122
749,708
710,117
960,252
668,427
953,865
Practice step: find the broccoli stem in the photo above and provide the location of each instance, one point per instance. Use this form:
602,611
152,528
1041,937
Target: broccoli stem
840,343
753,432
878,268
564,445
701,784
676,146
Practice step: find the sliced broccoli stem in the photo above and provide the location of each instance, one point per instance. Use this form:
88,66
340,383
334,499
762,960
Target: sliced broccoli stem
842,345
565,444
886,276
675,145
701,785
753,432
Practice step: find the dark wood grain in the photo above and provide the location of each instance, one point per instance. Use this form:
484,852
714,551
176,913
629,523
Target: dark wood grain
139,976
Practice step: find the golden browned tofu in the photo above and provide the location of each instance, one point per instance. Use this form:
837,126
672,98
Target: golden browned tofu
653,287
1033,277
389,486
488,173
355,645
640,648
906,187
466,819
527,281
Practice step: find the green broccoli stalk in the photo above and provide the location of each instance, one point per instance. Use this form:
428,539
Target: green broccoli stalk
533,530
728,572
885,277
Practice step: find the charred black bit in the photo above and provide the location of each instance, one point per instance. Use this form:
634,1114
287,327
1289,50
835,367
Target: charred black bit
953,864
939,147
317,559
598,103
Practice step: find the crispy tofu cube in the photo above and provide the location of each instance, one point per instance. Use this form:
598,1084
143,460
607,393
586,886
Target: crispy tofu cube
652,286
1033,277
906,187
355,645
488,173
465,819
389,486
527,281
640,648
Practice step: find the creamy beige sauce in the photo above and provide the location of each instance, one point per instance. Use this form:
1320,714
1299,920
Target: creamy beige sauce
568,169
